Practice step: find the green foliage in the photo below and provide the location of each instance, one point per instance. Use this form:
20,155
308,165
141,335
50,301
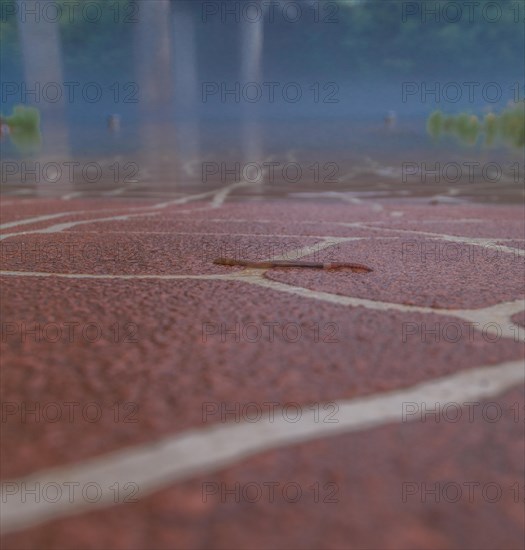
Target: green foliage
490,127
507,127
512,125
24,127
435,124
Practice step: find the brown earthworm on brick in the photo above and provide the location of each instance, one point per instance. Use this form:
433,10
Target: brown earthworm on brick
358,268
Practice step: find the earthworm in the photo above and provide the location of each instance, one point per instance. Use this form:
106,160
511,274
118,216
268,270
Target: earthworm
358,268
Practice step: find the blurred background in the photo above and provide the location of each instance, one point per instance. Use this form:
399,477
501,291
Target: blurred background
162,87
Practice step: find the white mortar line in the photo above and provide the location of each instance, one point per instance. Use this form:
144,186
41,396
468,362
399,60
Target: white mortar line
47,217
183,200
307,250
229,234
57,228
486,319
220,196
157,465
38,219
113,277
484,242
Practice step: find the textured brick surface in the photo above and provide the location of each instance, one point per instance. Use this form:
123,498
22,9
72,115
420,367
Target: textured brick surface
160,349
